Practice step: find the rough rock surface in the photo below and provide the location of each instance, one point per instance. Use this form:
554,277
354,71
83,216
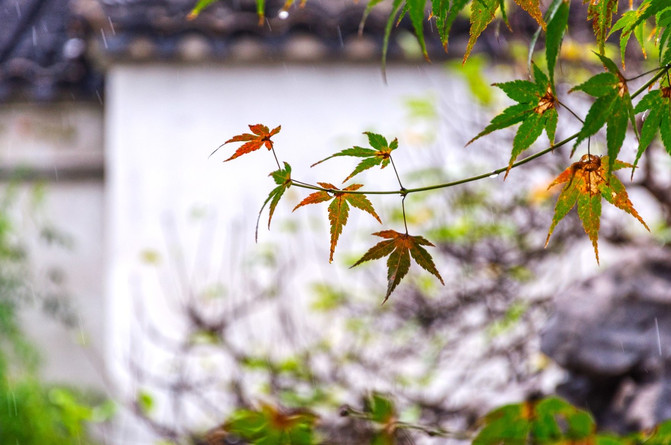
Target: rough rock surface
612,333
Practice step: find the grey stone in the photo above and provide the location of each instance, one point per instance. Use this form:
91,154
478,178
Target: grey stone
612,333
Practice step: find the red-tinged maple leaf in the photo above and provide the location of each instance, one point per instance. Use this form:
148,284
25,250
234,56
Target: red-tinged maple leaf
259,137
587,181
400,247
339,207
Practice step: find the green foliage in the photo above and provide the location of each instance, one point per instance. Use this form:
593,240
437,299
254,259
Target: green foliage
535,110
32,412
553,421
556,29
380,154
658,120
270,426
282,178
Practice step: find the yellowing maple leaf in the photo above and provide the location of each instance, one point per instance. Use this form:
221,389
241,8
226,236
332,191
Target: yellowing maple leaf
339,207
400,247
587,181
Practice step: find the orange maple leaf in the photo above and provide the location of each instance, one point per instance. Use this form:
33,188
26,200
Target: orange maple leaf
259,137
587,181
339,207
400,247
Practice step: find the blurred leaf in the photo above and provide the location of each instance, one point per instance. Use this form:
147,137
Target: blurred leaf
145,402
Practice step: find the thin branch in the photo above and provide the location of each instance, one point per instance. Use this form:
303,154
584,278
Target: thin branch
664,70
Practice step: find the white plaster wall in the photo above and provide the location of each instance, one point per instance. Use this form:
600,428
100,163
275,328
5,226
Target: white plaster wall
46,139
163,121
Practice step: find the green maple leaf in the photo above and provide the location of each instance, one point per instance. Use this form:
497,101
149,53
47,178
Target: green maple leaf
380,154
547,421
282,178
445,14
482,14
557,25
587,181
658,118
535,110
632,22
339,207
400,247
612,108
664,32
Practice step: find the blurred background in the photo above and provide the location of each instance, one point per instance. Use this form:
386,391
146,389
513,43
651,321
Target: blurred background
137,308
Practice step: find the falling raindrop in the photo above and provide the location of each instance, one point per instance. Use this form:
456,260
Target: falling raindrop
102,32
283,15
109,19
18,9
34,36
342,43
659,339
100,99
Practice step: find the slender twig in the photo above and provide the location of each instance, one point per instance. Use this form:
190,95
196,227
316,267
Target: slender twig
646,73
570,110
655,78
447,184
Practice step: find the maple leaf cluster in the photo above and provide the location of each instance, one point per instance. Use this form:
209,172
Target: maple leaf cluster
586,183
400,247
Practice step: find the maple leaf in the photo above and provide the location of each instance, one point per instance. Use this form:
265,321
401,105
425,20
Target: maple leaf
380,154
445,15
601,12
482,14
532,7
282,178
658,118
556,27
400,247
612,108
536,110
587,181
259,137
339,207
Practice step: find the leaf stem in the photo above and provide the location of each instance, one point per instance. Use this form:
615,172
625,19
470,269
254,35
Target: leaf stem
570,110
276,160
645,74
405,221
396,171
